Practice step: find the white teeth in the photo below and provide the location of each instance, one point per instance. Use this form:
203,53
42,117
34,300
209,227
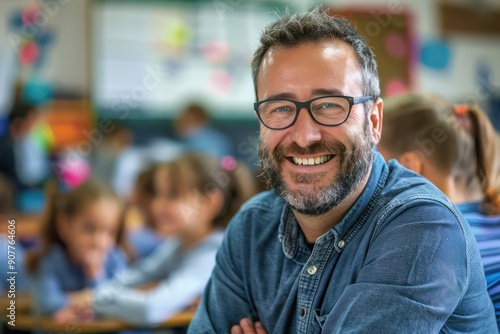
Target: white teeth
312,161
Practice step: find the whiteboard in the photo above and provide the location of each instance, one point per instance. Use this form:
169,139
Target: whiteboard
197,51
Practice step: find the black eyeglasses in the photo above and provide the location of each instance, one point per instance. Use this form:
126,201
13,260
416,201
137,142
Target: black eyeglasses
279,114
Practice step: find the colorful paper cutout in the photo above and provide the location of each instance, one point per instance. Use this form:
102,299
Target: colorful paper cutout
177,35
395,87
395,45
215,52
28,53
435,55
30,13
36,91
220,82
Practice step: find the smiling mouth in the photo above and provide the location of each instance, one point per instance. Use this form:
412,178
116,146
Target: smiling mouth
312,161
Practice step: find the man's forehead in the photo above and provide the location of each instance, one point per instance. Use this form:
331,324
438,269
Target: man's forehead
328,48
280,61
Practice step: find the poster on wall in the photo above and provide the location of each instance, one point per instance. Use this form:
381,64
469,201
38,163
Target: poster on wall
390,34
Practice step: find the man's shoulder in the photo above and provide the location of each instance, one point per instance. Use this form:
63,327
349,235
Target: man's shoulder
261,212
404,185
406,190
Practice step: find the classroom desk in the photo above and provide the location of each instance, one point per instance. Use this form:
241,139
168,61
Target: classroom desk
23,304
27,225
29,322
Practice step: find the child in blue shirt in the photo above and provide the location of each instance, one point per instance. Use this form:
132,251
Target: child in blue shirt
195,197
81,235
457,149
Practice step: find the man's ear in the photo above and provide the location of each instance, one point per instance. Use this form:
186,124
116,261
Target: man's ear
376,117
413,161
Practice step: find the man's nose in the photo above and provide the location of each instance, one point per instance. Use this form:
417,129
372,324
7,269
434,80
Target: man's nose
306,130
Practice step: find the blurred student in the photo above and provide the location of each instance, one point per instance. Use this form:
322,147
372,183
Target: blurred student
143,233
457,149
19,285
21,160
194,128
106,154
195,197
82,235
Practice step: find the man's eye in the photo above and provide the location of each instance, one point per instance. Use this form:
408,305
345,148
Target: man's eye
328,106
283,109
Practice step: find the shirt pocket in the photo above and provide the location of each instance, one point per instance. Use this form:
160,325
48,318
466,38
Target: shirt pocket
320,319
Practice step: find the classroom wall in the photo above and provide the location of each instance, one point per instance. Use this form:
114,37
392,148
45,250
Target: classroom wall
68,66
67,61
467,52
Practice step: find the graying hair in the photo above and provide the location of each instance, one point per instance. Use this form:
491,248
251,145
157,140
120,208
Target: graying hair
316,26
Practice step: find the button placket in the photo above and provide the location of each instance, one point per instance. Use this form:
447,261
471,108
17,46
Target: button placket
309,281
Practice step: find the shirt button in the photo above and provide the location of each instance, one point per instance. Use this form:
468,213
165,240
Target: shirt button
303,312
341,244
311,270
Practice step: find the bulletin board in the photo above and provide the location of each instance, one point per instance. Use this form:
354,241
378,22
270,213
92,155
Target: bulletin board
390,35
150,58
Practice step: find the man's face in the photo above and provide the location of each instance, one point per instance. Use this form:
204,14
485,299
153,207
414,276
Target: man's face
343,154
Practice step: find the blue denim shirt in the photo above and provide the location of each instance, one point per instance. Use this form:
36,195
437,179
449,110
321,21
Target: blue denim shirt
403,260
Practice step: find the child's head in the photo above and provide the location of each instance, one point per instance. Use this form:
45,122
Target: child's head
192,117
439,140
22,117
196,191
87,220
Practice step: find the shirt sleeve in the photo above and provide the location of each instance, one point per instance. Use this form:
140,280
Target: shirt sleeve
174,293
46,289
115,264
224,302
415,274
151,268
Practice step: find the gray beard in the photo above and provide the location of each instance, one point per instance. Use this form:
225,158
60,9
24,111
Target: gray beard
353,167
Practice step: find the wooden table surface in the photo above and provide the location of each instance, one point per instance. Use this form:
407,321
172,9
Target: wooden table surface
30,322
26,321
23,304
27,225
